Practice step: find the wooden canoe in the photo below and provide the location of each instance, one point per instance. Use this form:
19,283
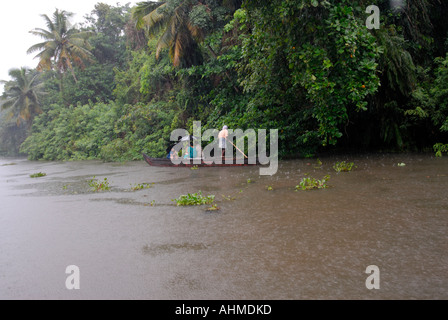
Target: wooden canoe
159,162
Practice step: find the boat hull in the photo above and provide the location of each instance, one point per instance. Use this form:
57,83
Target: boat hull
158,162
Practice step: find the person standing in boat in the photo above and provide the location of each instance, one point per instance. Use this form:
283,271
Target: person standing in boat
222,139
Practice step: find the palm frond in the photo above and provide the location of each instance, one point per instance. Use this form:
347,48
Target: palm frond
21,94
45,60
196,32
62,20
48,22
142,10
80,44
167,39
170,22
17,75
177,51
36,47
6,103
44,34
156,21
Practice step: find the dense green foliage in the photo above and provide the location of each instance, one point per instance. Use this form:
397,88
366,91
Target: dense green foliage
311,69
107,131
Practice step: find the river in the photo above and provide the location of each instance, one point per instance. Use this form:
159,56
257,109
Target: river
278,245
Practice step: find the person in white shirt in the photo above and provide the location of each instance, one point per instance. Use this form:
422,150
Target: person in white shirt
222,137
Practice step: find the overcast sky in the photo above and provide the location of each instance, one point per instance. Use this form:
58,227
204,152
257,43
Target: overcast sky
18,17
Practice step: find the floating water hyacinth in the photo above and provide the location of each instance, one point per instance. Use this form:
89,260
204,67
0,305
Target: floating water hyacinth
98,186
312,183
213,208
38,175
141,186
344,166
195,199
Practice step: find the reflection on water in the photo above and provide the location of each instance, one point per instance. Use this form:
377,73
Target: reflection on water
278,244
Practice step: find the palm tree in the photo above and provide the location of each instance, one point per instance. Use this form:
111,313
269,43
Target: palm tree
64,46
179,35
21,94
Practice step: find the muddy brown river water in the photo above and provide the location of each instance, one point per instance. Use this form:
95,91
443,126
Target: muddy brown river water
279,245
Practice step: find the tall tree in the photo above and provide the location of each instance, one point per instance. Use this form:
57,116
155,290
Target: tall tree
22,94
171,18
109,25
64,46
182,24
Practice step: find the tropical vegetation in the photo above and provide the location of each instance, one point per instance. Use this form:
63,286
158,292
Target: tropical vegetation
117,84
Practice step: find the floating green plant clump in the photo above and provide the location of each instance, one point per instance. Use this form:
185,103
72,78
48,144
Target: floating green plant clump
344,166
228,198
214,208
141,186
195,199
269,188
151,204
98,186
312,183
9,164
38,175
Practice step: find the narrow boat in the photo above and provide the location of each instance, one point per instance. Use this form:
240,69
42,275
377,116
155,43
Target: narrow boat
159,162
